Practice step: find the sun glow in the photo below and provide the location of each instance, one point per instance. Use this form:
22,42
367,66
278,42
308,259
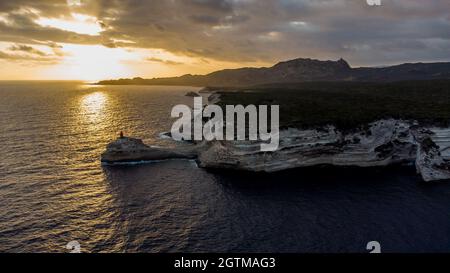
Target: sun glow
79,23
96,62
92,63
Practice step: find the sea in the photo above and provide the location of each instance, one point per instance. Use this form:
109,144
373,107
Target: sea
54,189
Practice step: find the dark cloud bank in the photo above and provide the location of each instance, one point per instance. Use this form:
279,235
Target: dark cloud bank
248,30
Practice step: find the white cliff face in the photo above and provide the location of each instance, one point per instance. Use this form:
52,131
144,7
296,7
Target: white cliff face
383,143
433,153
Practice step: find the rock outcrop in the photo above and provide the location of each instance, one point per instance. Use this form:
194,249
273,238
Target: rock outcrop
128,150
192,94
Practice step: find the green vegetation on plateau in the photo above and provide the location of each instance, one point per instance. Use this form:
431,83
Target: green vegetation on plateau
349,105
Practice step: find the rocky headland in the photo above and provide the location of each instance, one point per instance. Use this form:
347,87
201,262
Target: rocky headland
382,143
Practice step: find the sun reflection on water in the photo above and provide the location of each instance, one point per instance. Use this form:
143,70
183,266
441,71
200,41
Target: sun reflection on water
93,106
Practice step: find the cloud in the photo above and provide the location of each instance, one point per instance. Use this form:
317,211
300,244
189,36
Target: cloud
29,58
205,19
248,30
27,49
21,28
168,62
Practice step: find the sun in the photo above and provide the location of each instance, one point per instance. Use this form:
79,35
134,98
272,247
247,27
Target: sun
92,63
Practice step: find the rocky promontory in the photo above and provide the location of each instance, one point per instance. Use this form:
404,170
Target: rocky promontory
382,143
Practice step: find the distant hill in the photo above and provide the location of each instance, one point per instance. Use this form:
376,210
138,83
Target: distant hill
300,70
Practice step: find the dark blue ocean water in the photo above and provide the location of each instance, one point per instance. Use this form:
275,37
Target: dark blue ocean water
53,189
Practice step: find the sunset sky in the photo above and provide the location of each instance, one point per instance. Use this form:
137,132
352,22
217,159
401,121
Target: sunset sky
100,39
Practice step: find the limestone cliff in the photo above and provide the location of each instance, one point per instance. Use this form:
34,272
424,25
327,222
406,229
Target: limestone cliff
381,143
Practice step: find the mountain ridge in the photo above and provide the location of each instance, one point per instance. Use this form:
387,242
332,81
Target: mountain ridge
301,70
